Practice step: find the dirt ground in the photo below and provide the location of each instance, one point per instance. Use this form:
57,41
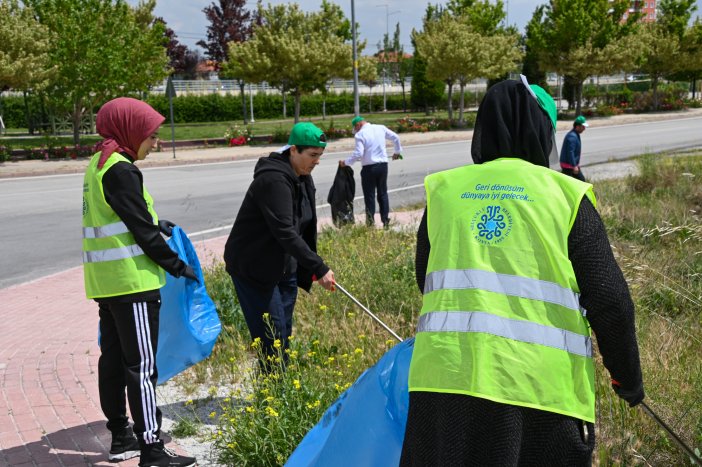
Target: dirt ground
220,154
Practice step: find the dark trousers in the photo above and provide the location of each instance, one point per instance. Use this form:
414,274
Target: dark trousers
374,178
278,301
570,172
128,342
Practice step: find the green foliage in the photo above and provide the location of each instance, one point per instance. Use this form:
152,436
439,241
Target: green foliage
24,60
426,92
294,51
101,49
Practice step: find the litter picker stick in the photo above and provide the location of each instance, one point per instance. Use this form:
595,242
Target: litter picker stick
378,320
693,457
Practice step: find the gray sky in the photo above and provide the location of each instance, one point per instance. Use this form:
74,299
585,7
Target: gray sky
188,21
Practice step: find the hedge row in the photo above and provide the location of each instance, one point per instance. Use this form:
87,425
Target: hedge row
223,108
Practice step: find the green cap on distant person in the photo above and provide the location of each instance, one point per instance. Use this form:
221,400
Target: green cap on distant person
580,120
357,119
307,134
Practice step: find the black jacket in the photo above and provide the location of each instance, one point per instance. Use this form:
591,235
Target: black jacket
267,227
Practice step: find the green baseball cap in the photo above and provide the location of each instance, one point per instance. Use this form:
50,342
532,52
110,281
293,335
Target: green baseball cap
580,120
355,120
307,134
543,98
546,102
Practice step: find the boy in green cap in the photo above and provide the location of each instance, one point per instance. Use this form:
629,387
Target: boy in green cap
570,151
272,248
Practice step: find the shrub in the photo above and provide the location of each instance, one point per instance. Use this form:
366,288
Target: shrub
5,152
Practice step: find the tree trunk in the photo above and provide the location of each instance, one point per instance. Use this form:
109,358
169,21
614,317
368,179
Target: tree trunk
578,97
404,98
654,89
462,87
243,100
285,108
450,100
297,106
324,107
694,88
28,117
75,118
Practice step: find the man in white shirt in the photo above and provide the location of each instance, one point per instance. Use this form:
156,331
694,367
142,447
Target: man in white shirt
370,150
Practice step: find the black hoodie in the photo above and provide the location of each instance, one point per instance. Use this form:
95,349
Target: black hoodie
266,228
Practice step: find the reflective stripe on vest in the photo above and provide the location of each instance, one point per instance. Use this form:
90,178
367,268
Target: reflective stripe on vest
507,284
518,330
105,231
112,254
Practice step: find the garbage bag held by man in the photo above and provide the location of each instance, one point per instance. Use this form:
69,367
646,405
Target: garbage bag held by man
188,324
341,195
365,426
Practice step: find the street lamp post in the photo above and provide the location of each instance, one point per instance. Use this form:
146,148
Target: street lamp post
385,56
356,104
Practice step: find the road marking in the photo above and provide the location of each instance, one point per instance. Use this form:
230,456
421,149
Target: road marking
321,206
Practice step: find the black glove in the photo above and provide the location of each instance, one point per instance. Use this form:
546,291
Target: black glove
166,227
190,274
632,396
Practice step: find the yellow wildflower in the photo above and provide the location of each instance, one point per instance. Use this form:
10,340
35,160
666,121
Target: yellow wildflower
250,409
351,314
277,344
213,414
189,402
296,383
357,351
271,412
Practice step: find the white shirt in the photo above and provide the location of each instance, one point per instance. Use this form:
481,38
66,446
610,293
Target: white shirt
370,144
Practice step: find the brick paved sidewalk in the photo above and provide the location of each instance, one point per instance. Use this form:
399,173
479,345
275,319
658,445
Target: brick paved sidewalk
49,404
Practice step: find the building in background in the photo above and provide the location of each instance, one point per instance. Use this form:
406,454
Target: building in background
647,8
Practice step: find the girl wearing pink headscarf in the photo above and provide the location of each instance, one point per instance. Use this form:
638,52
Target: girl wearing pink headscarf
124,259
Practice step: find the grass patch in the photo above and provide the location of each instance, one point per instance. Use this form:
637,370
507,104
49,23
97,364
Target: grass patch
654,225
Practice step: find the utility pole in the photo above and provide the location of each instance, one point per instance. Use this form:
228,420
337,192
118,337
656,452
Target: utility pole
385,52
356,104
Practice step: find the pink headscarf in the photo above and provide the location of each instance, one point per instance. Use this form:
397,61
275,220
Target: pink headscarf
125,123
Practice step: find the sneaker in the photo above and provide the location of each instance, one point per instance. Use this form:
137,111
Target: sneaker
157,455
124,446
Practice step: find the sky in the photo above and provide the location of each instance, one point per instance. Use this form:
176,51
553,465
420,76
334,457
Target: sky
188,21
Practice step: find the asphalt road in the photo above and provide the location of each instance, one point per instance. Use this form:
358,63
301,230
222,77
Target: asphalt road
40,227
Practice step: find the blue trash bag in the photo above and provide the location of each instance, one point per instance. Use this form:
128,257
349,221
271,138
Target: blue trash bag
188,323
366,424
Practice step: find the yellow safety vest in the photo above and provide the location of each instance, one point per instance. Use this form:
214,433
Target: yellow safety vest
501,317
113,263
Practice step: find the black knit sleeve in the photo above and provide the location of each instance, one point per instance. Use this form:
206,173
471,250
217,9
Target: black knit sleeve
604,293
421,258
123,187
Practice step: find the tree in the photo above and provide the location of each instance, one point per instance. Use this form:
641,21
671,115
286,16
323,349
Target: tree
24,59
229,22
296,52
368,75
457,51
663,48
100,49
425,93
578,38
531,66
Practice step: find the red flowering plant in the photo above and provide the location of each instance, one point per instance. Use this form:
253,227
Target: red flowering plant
237,136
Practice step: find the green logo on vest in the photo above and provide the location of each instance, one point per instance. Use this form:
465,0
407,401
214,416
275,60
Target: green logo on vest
491,224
